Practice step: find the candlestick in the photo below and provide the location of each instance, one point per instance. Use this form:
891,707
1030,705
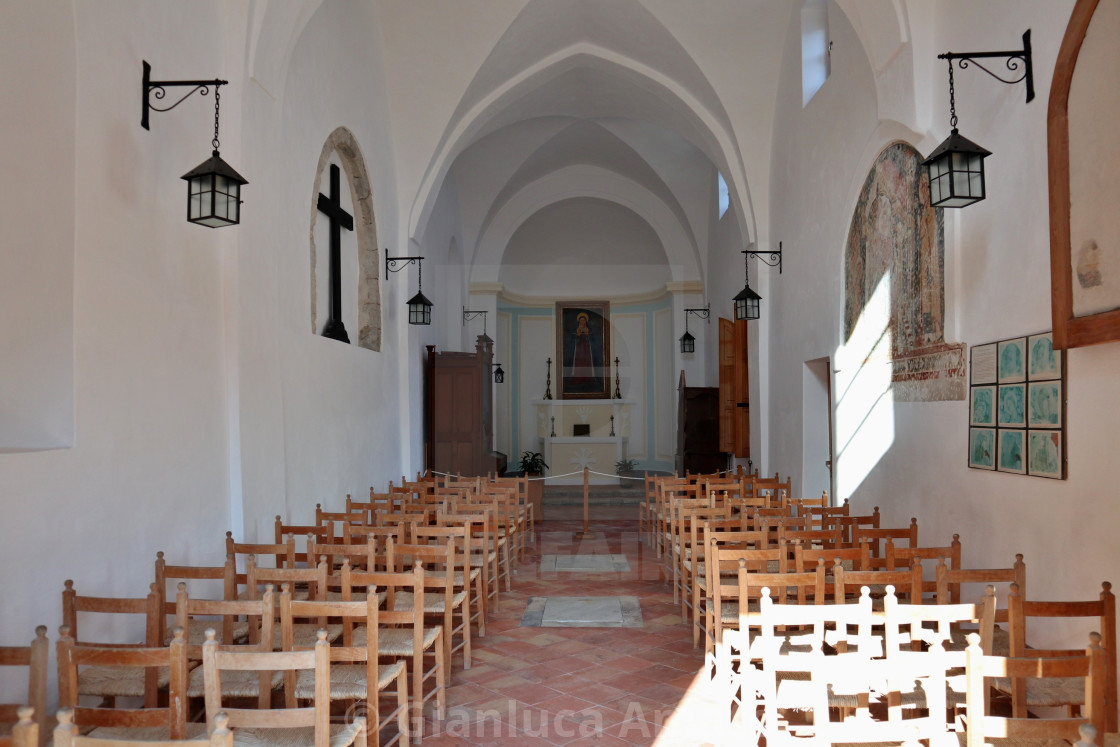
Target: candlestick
617,381
548,382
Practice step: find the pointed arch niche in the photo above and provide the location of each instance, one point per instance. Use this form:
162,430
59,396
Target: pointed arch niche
342,142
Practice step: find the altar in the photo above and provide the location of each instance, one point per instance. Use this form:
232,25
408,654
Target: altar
603,426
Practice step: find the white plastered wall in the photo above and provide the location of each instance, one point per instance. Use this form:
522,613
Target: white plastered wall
997,286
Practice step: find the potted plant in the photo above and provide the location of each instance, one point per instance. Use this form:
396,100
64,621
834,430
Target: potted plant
533,465
626,469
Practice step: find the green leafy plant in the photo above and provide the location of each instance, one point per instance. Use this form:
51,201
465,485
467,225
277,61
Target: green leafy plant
533,462
624,465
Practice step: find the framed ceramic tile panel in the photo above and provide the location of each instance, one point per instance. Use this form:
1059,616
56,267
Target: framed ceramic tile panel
1045,455
1043,361
1044,404
982,448
982,406
1011,451
1012,406
1013,360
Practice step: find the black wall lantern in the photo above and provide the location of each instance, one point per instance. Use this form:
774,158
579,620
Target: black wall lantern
688,342
419,307
499,374
956,167
747,301
213,187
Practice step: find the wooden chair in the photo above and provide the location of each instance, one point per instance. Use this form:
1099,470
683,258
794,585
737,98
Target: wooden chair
444,601
114,681
729,601
25,730
950,591
830,664
848,584
851,526
1023,726
221,579
282,554
78,663
306,583
282,727
1101,612
297,533
468,577
404,636
67,734
34,657
353,667
877,539
484,555
225,618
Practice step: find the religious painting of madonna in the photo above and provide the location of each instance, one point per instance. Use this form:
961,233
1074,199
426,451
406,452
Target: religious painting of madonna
583,348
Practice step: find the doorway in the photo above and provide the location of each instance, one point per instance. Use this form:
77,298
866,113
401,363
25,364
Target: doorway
816,422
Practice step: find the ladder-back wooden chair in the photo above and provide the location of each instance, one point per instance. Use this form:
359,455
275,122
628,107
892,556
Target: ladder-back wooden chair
353,667
965,584
223,618
1024,727
282,727
79,661
1100,615
115,681
404,636
34,657
217,582
441,599
67,734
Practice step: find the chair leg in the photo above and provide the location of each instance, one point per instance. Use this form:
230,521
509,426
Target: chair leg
442,679
402,706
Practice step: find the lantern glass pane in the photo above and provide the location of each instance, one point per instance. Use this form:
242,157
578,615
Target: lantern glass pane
976,184
960,183
194,207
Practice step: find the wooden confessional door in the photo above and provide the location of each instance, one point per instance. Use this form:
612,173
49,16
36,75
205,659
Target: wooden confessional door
459,433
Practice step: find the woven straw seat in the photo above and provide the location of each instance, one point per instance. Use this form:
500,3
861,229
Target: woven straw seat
305,635
433,601
348,681
235,684
396,641
1048,691
357,596
117,681
457,579
341,735
148,734
196,631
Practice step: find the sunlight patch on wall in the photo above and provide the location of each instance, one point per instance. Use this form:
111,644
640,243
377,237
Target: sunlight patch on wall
865,405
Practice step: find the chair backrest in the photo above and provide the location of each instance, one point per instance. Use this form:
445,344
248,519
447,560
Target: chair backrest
223,579
73,657
852,525
877,537
315,578
983,723
350,612
75,607
848,583
67,734
258,613
949,581
1101,612
215,661
359,554
34,657
283,553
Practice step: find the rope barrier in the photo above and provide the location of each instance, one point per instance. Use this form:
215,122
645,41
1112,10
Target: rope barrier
556,477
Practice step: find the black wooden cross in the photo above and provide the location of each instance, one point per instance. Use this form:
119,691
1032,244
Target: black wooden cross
340,219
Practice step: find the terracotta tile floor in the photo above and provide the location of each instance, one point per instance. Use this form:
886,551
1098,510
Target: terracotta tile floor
575,686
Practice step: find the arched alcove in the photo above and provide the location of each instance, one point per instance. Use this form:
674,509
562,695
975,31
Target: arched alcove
342,142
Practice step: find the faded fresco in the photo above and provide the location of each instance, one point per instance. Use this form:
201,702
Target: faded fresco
895,234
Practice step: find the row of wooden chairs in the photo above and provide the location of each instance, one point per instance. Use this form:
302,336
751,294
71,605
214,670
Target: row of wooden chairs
891,673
